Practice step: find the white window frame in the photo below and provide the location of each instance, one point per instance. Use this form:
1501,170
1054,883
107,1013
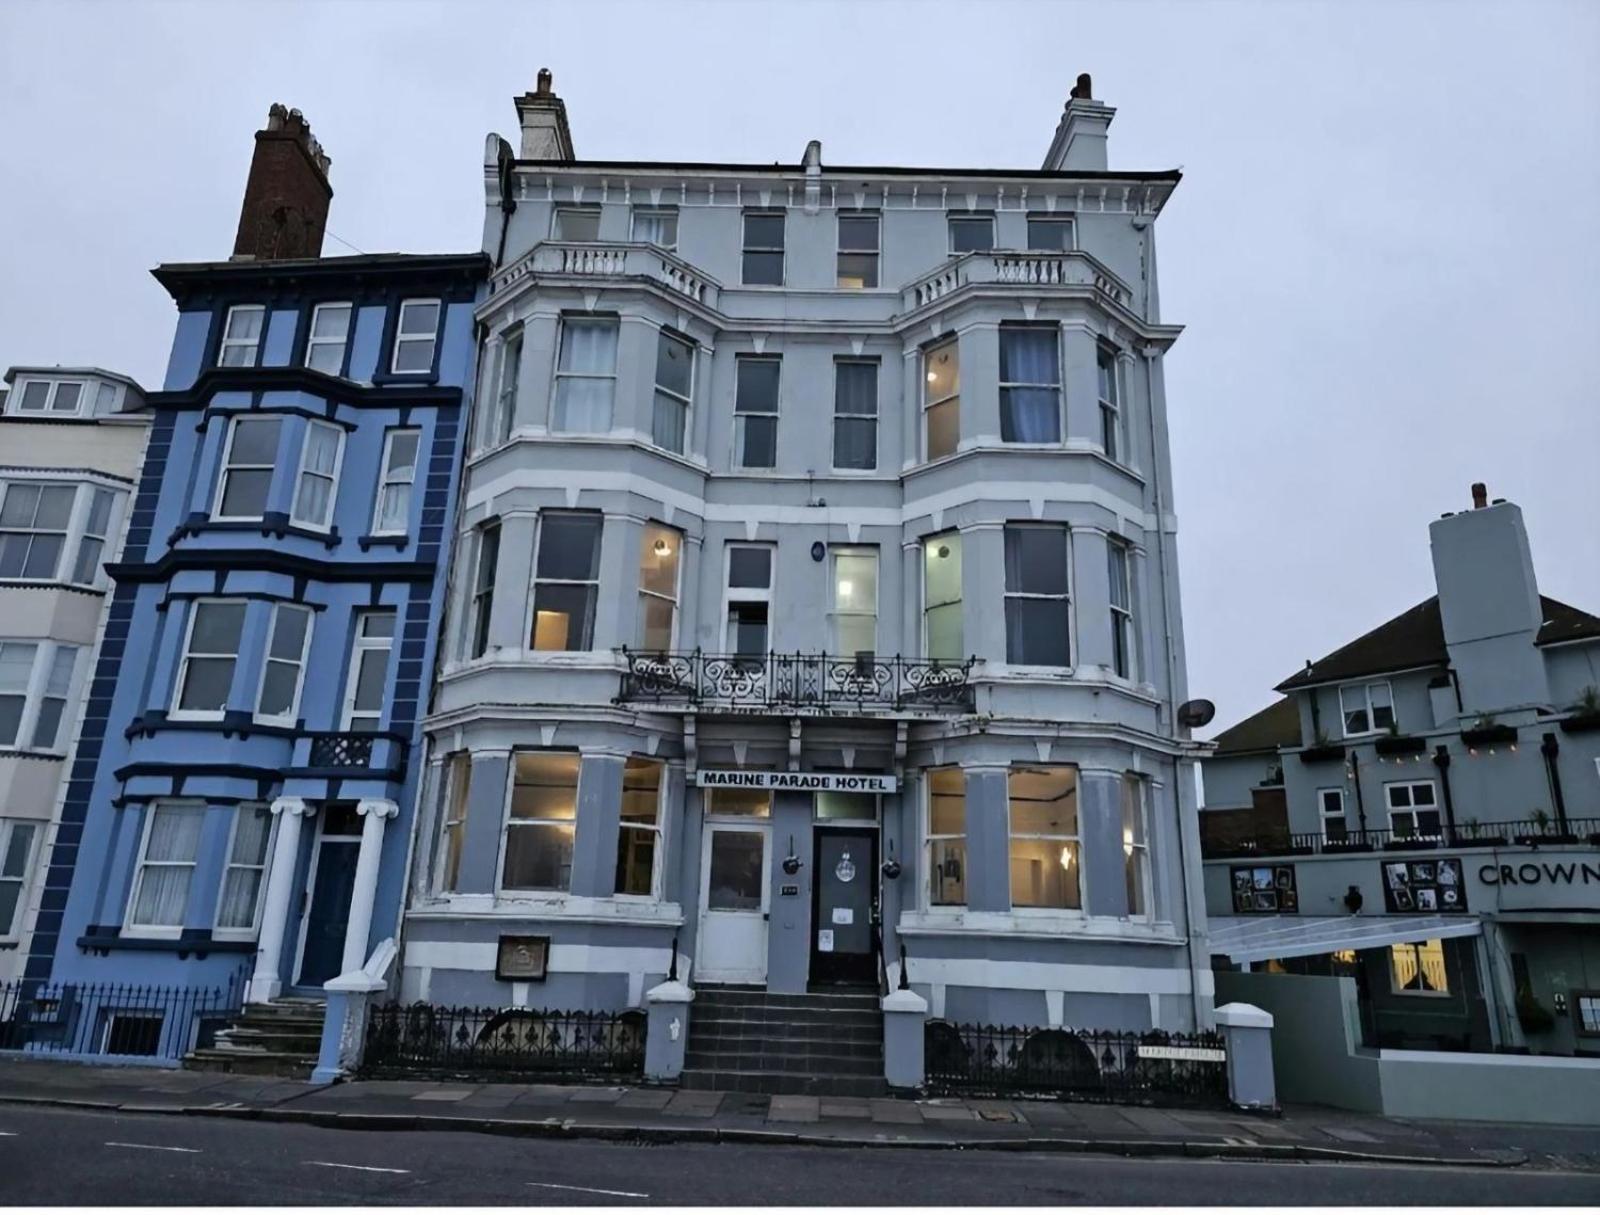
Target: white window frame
739,416
1064,597
1433,807
560,209
1324,814
63,569
667,335
877,383
1140,788
185,657
162,931
326,524
1113,433
42,677
835,614
402,338
1055,386
387,481
951,218
253,345
293,715
568,323
922,584
591,516
876,252
1124,637
930,403
229,864
52,395
480,596
228,466
360,645
507,382
1067,221
745,247
1364,687
657,828
87,536
747,594
457,797
24,880
1075,839
30,693
653,213
930,837
1416,949
677,582
343,343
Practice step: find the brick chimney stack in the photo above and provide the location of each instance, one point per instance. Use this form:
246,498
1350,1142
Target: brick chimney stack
285,208
545,133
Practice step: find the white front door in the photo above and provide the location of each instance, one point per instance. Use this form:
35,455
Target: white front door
734,891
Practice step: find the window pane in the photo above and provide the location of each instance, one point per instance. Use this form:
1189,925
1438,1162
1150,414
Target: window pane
245,323
67,398
655,623
942,563
857,634
667,422
944,428
1037,632
740,803
1043,801
44,556
858,233
656,227
947,864
34,395
563,616
579,225
641,790
244,494
538,857
855,388
1049,234
372,667
403,454
331,321
16,665
588,347
942,371
947,802
1030,415
737,875
855,586
277,689
21,505
858,270
763,231
55,507
763,269
1036,560
545,785
583,405
413,355
971,234
1044,873
419,319
760,441
636,861
944,633
855,442
48,723
217,627
674,364
10,717
757,386
750,567
569,547
14,864
747,626
658,560
255,441
61,664
861,806
99,513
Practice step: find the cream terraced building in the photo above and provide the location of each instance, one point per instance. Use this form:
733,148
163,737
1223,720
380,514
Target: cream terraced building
815,607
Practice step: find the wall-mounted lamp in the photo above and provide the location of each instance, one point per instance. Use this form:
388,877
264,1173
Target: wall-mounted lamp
891,867
791,863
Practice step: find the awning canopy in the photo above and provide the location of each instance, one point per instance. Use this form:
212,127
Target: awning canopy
1255,938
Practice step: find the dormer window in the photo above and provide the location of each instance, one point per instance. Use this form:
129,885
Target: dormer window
416,336
50,397
241,336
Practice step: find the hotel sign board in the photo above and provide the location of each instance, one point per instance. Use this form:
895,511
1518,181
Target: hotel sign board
805,782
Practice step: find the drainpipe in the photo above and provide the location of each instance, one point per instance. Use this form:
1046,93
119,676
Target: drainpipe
1166,626
508,206
1361,802
1550,748
1441,760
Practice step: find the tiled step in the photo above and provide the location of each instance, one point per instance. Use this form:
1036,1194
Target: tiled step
243,1037
796,1034
785,1084
841,1001
768,1063
715,1015
252,1062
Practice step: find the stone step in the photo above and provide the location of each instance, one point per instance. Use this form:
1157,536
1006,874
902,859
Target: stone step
842,1001
292,1065
769,1063
247,1037
784,1084
714,1015
799,1034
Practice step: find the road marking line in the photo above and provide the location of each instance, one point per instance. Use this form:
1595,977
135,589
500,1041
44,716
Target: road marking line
584,1189
154,1147
364,1168
8,1134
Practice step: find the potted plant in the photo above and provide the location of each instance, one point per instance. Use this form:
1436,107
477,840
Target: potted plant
1396,743
1486,731
1471,832
1534,1016
1321,749
1585,714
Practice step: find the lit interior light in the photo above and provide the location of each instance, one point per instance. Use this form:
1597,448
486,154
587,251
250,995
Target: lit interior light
933,377
1127,843
846,588
1066,856
662,547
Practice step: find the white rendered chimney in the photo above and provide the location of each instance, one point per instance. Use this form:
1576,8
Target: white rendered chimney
1080,141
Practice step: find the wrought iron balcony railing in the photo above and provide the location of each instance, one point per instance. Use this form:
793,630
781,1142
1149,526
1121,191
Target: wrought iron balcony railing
1528,833
808,682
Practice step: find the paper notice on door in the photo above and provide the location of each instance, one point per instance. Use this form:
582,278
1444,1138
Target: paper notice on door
825,940
844,915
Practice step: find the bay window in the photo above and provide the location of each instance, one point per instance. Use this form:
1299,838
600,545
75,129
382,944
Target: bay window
33,701
282,672
247,467
942,633
1136,844
542,821
941,399
586,375
674,390
1119,561
210,654
481,609
1044,853
320,455
34,517
16,856
566,581
392,515
1030,384
244,876
1038,603
167,856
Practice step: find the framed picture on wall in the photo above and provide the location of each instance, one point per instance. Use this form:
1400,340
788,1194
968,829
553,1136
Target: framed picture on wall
1433,885
1263,888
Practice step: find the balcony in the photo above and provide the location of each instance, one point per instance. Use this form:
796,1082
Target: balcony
350,753
797,683
1527,833
616,261
1017,269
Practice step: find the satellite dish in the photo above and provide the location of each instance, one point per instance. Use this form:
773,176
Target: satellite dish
1196,713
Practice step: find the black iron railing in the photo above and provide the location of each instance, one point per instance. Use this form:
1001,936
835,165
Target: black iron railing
120,1019
341,750
1155,1067
429,1039
1521,832
821,682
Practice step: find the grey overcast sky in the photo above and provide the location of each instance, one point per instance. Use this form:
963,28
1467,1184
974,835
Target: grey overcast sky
1384,247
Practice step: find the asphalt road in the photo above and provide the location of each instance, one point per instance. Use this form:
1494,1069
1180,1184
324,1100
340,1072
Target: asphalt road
54,1156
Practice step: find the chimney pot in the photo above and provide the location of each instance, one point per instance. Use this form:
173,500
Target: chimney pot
1480,495
545,81
1084,89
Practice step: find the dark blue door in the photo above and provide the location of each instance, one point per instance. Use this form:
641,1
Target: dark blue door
329,911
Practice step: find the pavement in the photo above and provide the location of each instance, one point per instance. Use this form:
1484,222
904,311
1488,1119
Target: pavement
643,1114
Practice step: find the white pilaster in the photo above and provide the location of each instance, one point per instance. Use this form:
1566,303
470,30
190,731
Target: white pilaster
265,982
374,812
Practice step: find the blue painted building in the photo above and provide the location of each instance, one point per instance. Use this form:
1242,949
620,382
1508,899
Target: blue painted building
240,800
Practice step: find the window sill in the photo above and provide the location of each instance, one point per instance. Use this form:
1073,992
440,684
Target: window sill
395,540
105,939
49,584
273,524
509,905
565,660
